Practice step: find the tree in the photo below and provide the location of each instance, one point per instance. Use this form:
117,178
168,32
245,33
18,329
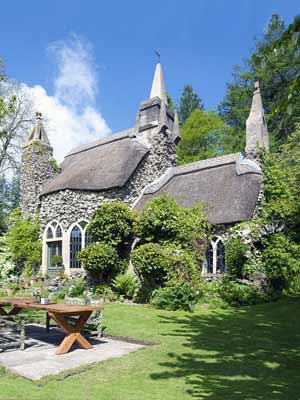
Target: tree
188,103
16,110
202,137
275,62
171,104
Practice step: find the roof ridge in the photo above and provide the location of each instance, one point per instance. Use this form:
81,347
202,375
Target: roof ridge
113,137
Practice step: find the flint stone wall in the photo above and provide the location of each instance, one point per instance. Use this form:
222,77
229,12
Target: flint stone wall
69,206
36,168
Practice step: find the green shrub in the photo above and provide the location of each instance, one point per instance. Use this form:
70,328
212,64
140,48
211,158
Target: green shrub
113,222
281,256
236,259
105,291
237,294
163,220
156,265
101,259
126,285
178,297
76,287
23,242
293,288
151,265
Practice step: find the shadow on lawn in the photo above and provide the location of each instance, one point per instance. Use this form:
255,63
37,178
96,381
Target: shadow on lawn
251,353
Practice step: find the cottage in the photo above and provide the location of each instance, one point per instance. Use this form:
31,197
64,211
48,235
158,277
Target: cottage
134,166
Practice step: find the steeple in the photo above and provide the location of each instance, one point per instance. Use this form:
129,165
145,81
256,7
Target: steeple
256,127
158,85
38,133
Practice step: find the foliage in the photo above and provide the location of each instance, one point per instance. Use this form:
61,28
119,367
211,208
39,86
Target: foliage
23,242
101,259
151,265
202,137
279,205
171,104
54,165
57,260
237,294
275,62
236,256
163,220
126,285
15,121
76,287
9,198
188,103
177,297
7,267
281,256
105,291
113,223
27,272
158,264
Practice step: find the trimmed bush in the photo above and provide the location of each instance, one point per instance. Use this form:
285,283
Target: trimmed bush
101,259
113,222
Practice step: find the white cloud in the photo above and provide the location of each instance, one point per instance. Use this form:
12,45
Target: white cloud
72,118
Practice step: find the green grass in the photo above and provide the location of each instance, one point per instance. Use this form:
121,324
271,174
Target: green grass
245,354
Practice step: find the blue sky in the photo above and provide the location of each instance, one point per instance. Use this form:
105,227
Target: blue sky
199,42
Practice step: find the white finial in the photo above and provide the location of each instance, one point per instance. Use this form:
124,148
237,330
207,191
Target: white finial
158,86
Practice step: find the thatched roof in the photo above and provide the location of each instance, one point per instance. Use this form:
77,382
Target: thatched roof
228,185
104,164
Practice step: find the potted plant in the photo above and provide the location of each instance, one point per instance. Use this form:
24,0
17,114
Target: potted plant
27,275
57,260
44,296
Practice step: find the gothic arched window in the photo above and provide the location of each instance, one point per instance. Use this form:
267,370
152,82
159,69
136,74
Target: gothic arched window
75,246
215,257
58,232
220,255
87,238
49,233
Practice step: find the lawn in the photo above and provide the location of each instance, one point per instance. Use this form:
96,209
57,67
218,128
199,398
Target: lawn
246,354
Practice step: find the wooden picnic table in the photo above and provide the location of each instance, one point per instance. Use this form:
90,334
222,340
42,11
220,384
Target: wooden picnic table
60,313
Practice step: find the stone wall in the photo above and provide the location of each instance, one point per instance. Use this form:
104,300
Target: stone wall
69,206
37,167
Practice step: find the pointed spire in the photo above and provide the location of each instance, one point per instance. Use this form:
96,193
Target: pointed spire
256,128
158,85
176,136
38,132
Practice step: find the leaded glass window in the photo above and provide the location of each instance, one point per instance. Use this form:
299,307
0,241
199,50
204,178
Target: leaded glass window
58,232
220,264
49,233
75,246
87,238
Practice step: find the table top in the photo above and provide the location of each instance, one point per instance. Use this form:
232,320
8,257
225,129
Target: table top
61,308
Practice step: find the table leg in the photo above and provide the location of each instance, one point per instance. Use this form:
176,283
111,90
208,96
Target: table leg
13,311
72,331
